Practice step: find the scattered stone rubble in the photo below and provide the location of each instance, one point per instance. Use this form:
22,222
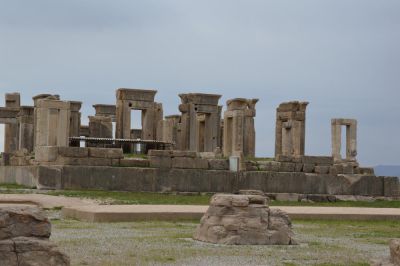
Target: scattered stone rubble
24,238
244,220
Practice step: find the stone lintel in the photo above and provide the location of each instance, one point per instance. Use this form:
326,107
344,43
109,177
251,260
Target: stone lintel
343,121
8,112
136,94
200,98
292,106
56,104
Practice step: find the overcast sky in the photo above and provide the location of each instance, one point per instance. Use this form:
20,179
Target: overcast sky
343,56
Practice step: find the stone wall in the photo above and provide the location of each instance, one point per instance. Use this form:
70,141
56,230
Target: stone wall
52,155
196,180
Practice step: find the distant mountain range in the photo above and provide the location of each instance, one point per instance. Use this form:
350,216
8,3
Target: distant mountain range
387,170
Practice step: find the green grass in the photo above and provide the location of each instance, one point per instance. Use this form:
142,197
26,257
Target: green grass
118,197
134,155
374,204
114,197
13,186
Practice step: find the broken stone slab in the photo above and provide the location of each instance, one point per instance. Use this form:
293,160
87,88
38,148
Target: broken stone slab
29,251
25,221
243,220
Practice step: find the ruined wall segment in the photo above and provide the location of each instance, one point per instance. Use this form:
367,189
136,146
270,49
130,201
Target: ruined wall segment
135,99
200,122
11,130
239,131
351,139
290,128
52,122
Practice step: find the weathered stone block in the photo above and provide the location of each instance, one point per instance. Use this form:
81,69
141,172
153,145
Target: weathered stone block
190,154
46,153
31,251
320,169
298,167
308,168
207,155
391,186
283,158
23,221
287,197
287,167
161,153
134,163
73,152
189,163
160,162
106,153
323,160
218,164
367,170
84,161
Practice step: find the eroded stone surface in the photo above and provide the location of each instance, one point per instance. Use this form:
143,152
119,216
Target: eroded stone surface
29,251
23,221
243,220
24,234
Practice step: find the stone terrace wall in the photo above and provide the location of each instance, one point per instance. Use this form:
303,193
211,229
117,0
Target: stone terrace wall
197,180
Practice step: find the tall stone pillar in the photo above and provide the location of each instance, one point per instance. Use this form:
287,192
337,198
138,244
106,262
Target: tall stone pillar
11,131
239,130
75,119
290,128
52,122
26,128
35,103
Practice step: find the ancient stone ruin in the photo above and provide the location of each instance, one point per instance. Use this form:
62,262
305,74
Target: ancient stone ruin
200,149
24,238
244,220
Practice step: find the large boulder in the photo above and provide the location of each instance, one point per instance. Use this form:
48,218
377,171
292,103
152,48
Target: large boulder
243,220
24,238
23,221
30,251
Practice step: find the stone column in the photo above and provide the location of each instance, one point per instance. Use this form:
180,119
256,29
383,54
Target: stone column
75,119
11,131
351,140
26,129
336,130
52,122
35,102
